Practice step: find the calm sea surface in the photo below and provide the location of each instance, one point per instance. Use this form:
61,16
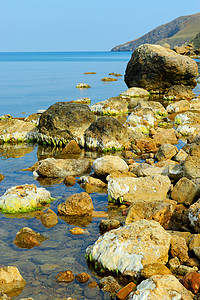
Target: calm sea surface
32,81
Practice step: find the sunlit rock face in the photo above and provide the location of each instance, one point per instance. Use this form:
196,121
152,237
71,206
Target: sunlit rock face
11,280
24,198
130,247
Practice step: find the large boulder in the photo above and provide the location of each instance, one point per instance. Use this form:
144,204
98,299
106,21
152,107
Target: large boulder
64,121
24,198
11,280
130,247
107,133
51,167
128,189
156,68
161,287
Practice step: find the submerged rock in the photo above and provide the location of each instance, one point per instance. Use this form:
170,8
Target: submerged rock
161,287
130,247
24,198
48,218
28,238
11,280
156,68
51,167
128,189
64,121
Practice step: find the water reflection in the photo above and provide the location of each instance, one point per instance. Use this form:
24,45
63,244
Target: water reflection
15,151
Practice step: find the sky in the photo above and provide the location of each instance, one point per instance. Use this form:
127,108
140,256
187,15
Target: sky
83,25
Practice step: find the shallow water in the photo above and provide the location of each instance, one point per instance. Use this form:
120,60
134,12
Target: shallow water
27,85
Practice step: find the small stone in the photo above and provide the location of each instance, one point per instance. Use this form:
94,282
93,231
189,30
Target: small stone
83,86
174,264
183,270
72,148
191,281
66,276
69,180
108,79
125,291
48,218
83,277
77,231
10,280
109,284
93,284
107,225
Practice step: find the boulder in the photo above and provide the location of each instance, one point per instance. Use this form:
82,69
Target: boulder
111,106
130,247
128,189
185,191
76,205
161,287
28,238
107,133
108,164
14,130
165,136
156,68
166,151
24,198
83,277
66,276
135,92
146,145
72,148
160,211
64,121
191,166
178,107
51,167
180,156
11,280
49,218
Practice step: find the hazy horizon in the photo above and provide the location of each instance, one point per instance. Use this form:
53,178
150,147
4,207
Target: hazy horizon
82,26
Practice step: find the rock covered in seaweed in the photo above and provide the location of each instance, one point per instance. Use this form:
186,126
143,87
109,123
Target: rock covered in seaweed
64,121
24,198
130,247
111,106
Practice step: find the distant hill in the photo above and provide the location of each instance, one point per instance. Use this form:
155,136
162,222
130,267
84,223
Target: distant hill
175,33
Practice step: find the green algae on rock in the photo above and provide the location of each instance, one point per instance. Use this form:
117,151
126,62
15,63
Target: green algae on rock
24,198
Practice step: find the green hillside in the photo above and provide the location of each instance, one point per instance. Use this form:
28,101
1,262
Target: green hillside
176,33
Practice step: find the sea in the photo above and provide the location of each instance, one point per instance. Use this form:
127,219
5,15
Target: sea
30,82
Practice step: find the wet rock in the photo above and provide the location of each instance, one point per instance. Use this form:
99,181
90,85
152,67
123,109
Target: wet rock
76,205
24,198
149,188
178,107
11,280
28,238
161,287
92,181
126,290
166,151
77,231
106,134
155,269
179,248
64,121
69,180
109,284
1,177
111,106
51,167
130,247
160,211
83,277
135,92
109,224
72,148
108,79
168,68
49,218
105,165
85,100
14,130
191,282
66,276
185,191
83,86
179,92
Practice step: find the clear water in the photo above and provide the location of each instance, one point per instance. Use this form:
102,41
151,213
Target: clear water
32,81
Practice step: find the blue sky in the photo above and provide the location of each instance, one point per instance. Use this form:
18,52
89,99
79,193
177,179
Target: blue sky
83,25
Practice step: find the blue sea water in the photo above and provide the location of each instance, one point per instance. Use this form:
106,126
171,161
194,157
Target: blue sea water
35,80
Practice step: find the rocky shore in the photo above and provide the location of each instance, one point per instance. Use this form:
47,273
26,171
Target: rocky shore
153,249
